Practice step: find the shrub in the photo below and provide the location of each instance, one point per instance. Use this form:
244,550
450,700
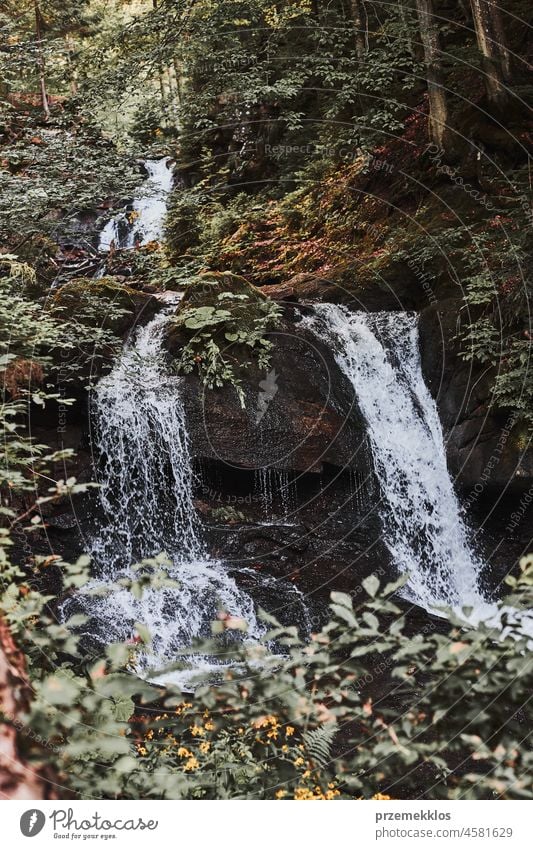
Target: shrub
364,709
224,320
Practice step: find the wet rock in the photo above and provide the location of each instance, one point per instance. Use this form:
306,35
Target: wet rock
318,563
303,287
485,447
298,416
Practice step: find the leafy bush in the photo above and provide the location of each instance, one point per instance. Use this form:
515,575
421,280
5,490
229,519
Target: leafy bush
230,317
71,334
365,709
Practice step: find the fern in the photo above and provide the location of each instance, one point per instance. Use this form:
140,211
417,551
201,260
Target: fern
319,741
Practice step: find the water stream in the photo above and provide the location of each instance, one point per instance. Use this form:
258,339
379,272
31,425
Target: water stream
146,498
144,223
424,528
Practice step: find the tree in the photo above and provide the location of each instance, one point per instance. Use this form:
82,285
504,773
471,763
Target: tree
18,778
491,42
438,103
361,27
40,45
41,64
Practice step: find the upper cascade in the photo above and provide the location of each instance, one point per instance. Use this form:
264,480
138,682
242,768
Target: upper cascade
144,223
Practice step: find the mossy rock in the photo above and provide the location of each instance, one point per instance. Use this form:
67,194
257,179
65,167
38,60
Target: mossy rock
226,298
220,327
207,287
182,225
38,251
104,303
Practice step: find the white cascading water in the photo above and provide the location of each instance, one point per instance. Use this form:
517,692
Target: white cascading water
424,529
146,496
145,222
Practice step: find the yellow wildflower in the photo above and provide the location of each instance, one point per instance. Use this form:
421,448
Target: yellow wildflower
204,747
280,794
299,761
184,753
197,731
331,794
191,764
303,793
270,719
289,731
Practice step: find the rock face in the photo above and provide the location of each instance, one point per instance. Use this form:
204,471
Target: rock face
286,483
299,416
483,446
488,457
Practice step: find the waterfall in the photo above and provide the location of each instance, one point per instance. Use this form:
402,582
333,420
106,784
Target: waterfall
145,222
146,486
146,499
424,530
276,493
140,429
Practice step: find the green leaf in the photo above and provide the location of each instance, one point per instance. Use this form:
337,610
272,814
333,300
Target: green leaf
371,585
342,598
123,709
59,690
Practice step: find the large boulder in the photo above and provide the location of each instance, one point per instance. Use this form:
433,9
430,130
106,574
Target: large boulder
105,302
298,415
297,412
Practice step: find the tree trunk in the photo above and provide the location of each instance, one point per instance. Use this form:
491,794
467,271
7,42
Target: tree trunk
438,103
73,77
177,75
18,778
40,60
491,42
161,75
360,22
407,24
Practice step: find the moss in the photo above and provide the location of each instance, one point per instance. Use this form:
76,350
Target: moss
39,251
206,289
105,303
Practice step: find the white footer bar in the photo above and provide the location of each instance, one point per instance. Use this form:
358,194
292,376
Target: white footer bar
288,825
